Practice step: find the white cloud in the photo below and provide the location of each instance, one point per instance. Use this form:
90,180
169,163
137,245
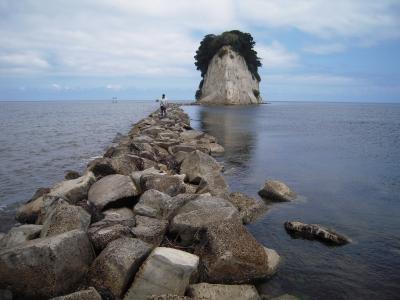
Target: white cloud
325,48
114,87
276,55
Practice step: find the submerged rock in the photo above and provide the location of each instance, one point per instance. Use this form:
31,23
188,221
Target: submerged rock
275,190
316,231
222,292
165,271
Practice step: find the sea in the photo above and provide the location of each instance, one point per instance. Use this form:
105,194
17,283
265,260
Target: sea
342,159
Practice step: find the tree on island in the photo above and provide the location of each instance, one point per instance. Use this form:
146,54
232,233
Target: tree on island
240,42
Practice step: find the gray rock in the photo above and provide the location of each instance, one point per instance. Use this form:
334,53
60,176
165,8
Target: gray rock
103,232
142,139
28,212
70,174
230,254
275,190
112,189
165,271
73,190
101,167
216,149
285,297
150,230
117,214
168,184
19,235
181,148
155,204
116,265
249,208
150,171
45,268
198,165
316,231
180,156
89,294
6,295
168,297
222,292
215,185
189,135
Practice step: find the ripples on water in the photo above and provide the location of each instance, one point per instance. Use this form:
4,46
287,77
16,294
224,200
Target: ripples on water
343,159
40,140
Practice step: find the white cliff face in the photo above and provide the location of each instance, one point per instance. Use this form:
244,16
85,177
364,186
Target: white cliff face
229,81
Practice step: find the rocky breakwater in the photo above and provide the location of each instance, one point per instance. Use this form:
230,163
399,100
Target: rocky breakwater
152,218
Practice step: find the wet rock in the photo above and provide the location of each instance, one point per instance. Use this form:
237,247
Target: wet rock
150,230
28,212
230,254
316,231
249,208
165,271
69,174
223,292
275,190
73,190
19,235
89,294
198,165
44,268
168,184
106,231
155,204
65,217
111,190
117,264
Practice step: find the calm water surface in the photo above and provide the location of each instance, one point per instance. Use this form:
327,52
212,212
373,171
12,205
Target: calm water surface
344,162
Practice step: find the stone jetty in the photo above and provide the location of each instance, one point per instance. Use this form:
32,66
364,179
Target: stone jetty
152,219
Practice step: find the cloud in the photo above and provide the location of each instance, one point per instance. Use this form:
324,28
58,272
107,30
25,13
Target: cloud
114,87
314,80
325,48
276,56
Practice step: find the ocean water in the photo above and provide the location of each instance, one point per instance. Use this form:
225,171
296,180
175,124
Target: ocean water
343,160
40,140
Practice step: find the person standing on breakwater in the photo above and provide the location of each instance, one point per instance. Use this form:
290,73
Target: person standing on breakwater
163,106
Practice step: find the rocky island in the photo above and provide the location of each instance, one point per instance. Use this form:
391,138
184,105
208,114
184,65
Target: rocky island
152,219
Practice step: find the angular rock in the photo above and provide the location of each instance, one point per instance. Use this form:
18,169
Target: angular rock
127,163
180,156
101,167
191,135
150,230
106,231
73,190
118,214
19,235
28,212
117,264
165,271
214,184
181,148
89,294
44,268
142,139
198,165
112,189
222,292
230,254
150,171
216,148
316,231
155,204
70,174
65,217
168,184
249,208
275,190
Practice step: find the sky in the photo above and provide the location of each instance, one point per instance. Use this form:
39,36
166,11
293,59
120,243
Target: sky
311,50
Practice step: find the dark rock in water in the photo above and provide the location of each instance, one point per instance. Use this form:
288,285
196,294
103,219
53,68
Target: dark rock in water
276,191
69,174
48,267
117,264
89,294
315,231
230,254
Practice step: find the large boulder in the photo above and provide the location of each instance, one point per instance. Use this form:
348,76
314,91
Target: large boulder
230,254
275,190
316,231
112,190
189,135
200,213
73,190
118,214
249,208
155,204
48,267
214,184
198,165
116,265
165,271
150,230
28,212
222,292
89,294
65,217
101,167
168,184
137,175
19,235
